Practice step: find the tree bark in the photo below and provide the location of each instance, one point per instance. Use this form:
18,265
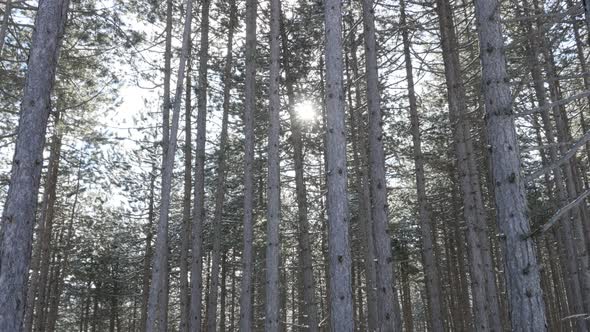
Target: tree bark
221,173
527,308
21,202
186,205
147,258
249,106
160,266
273,195
485,301
338,219
199,192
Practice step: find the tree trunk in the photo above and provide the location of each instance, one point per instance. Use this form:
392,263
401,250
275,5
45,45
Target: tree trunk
160,266
249,106
147,258
4,27
432,277
186,205
40,256
221,174
407,297
305,253
223,295
21,202
195,321
338,219
63,264
388,310
527,308
273,195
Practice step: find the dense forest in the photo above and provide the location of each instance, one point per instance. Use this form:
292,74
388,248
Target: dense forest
294,165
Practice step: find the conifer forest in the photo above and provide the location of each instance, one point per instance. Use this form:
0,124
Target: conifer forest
294,165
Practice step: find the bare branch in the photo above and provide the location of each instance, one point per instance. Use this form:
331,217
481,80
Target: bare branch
570,153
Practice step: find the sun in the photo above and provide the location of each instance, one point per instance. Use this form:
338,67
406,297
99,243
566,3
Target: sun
305,111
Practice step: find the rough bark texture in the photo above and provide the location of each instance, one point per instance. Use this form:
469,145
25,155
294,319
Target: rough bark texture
221,175
21,202
249,105
388,310
338,219
160,266
485,301
527,309
431,272
273,194
199,192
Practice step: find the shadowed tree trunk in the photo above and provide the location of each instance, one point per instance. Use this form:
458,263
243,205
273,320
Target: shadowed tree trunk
221,174
5,19
18,215
41,252
249,105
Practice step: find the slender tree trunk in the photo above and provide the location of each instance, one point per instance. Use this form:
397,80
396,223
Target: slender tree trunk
360,164
186,205
388,310
432,276
63,265
221,175
40,256
5,21
195,321
223,294
305,253
166,106
527,308
21,202
147,258
338,218
160,267
95,307
249,106
167,103
274,183
407,297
